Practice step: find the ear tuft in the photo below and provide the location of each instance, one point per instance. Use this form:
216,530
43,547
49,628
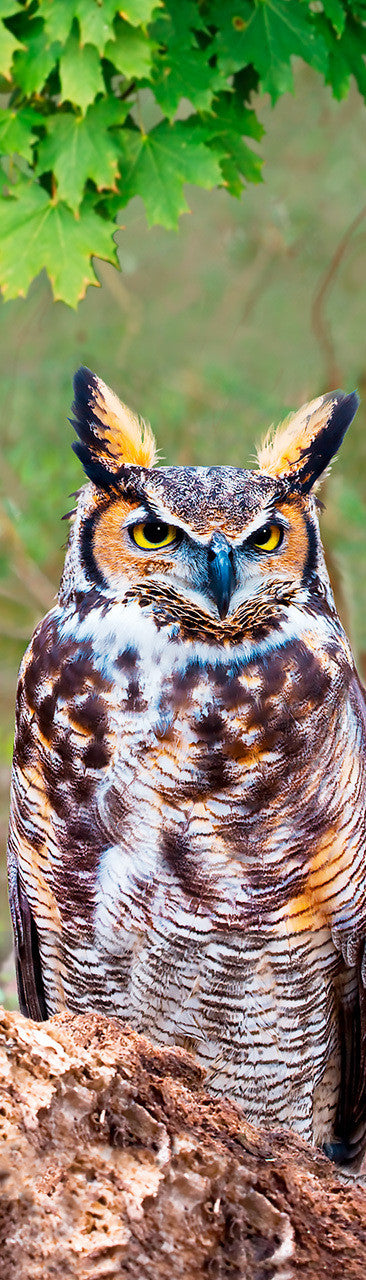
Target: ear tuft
303,446
111,436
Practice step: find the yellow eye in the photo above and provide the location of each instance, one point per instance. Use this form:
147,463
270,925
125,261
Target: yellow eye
267,538
152,534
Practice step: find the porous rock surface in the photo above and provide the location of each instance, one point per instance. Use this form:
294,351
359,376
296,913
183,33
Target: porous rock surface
115,1162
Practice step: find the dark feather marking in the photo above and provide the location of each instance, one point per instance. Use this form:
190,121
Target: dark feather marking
83,837
74,676
214,771
25,745
85,386
31,991
94,440
210,726
33,677
135,700
350,1124
46,713
82,788
96,755
85,601
312,554
87,557
115,808
94,469
178,858
232,693
91,715
322,449
54,778
127,659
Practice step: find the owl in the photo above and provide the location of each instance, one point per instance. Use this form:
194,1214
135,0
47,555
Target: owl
187,832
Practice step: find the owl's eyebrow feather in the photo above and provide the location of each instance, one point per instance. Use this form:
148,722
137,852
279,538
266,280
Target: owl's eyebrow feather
268,515
137,514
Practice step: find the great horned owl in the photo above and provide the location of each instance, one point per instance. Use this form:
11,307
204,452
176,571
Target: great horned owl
187,836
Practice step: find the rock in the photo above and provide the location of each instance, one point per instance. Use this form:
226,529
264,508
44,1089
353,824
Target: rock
115,1162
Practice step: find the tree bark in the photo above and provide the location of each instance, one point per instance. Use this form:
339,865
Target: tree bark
115,1162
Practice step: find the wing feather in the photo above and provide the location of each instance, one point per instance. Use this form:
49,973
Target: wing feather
351,1114
31,994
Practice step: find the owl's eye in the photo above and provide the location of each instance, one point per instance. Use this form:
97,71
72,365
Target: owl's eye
152,534
267,538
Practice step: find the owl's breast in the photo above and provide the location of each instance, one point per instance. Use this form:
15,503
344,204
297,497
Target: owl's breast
221,772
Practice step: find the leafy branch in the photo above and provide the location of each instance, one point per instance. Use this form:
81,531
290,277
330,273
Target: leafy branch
107,101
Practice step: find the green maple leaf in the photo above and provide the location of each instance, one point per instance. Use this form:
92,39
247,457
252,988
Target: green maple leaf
80,147
16,131
352,47
267,33
226,126
346,57
181,68
336,13
37,233
130,51
8,42
80,73
156,166
8,45
95,19
58,18
139,11
33,64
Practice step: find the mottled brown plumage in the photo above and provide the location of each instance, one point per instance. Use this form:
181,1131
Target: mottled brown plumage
187,837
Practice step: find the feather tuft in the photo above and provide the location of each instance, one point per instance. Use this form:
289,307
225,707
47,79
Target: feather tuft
303,445
110,432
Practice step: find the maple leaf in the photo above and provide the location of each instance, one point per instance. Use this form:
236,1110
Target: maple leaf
33,63
16,131
181,68
80,73
346,58
80,147
130,50
8,41
226,126
336,13
139,11
37,233
267,33
157,165
95,19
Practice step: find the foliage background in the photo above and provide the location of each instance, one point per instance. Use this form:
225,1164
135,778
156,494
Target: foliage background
213,334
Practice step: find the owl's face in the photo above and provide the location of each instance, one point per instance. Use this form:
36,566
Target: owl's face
215,536
203,545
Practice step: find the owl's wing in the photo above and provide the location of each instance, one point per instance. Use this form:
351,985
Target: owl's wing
27,834
32,1000
63,761
32,903
349,933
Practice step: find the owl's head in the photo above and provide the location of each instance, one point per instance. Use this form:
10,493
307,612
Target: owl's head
217,550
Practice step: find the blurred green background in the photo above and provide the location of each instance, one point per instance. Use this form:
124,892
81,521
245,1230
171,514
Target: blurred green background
212,334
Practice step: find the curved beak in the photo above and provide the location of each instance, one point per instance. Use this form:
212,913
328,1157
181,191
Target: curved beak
221,573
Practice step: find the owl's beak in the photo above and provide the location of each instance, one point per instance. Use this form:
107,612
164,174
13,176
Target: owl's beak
221,572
